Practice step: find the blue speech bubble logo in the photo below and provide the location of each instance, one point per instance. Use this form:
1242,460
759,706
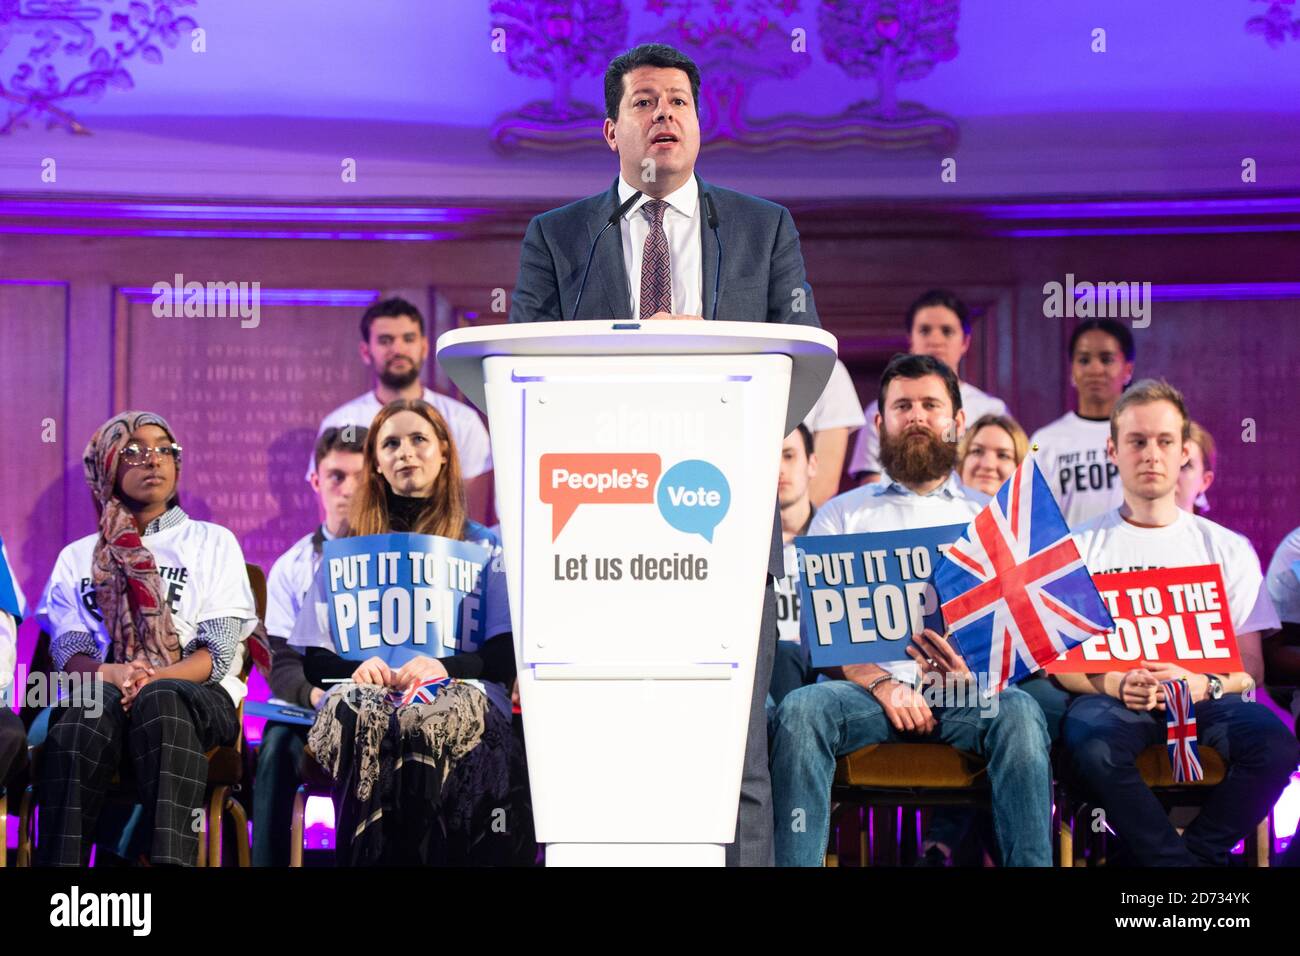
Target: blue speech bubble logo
694,496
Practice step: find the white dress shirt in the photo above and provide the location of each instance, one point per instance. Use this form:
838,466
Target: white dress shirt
682,229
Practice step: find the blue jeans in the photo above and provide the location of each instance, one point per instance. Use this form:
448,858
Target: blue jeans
819,723
275,782
1104,737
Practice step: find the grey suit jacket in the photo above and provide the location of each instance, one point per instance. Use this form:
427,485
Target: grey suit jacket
762,277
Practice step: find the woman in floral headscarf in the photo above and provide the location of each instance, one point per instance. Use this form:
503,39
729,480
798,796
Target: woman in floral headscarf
151,611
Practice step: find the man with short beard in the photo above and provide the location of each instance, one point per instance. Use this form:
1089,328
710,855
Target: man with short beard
395,348
864,704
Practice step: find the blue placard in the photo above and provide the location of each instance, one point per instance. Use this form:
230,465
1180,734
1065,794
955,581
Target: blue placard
399,596
862,596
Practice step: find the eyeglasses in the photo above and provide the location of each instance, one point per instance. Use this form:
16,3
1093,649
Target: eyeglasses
135,453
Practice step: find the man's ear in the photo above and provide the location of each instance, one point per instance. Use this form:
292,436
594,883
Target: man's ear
1112,453
364,350
611,137
877,422
812,465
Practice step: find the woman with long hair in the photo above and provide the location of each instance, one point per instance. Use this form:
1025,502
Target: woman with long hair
423,781
151,611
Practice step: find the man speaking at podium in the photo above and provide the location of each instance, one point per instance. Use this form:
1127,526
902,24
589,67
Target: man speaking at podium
684,249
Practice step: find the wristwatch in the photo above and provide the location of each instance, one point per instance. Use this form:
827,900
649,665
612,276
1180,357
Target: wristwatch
1215,688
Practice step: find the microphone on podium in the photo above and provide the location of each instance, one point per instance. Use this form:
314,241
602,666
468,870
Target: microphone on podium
711,216
615,216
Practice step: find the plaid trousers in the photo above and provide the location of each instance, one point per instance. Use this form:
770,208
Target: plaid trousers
165,736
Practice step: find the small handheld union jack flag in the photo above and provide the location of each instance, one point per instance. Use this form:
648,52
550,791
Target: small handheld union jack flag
1014,592
424,692
1180,723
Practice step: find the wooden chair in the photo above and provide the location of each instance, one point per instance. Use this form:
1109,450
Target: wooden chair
895,775
225,775
1153,764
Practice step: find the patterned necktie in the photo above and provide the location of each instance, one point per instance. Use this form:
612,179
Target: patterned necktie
656,268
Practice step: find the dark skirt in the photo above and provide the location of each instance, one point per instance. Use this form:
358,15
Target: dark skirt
423,784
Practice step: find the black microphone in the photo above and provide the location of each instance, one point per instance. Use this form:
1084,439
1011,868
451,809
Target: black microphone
711,216
615,216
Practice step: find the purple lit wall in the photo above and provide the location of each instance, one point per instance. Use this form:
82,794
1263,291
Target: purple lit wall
227,165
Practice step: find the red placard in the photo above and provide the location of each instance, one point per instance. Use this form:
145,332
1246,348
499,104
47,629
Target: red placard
1176,615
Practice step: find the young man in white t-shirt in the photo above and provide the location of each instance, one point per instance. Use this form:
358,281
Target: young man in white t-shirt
866,704
338,456
1120,714
832,421
1072,449
790,667
394,348
938,324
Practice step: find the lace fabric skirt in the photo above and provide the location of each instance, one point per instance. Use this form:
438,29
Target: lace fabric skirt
434,784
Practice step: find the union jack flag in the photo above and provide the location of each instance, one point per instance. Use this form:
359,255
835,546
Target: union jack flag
1180,723
423,693
1014,592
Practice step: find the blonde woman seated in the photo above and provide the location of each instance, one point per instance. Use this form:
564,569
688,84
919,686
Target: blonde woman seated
422,783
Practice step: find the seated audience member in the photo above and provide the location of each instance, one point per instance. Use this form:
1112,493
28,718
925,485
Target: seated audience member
799,463
863,704
1198,474
988,454
154,608
13,738
1117,715
990,451
338,467
419,784
1282,656
938,325
394,348
1072,449
1282,651
832,422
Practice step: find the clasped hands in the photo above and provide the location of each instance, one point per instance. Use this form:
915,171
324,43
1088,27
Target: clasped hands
130,678
415,671
1140,689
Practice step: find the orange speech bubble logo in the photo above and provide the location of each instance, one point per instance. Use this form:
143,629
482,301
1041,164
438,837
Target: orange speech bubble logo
568,481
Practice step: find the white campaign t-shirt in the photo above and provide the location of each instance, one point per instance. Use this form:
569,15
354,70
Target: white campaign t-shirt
866,453
1283,585
889,506
204,577
1072,456
468,432
312,626
1108,544
838,406
288,583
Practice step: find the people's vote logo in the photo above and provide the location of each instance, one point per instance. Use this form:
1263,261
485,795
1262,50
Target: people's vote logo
693,496
568,481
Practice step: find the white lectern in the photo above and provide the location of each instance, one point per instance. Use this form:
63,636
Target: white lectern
636,468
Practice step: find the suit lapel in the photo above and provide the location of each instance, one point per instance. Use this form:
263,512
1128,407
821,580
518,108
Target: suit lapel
607,267
708,252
